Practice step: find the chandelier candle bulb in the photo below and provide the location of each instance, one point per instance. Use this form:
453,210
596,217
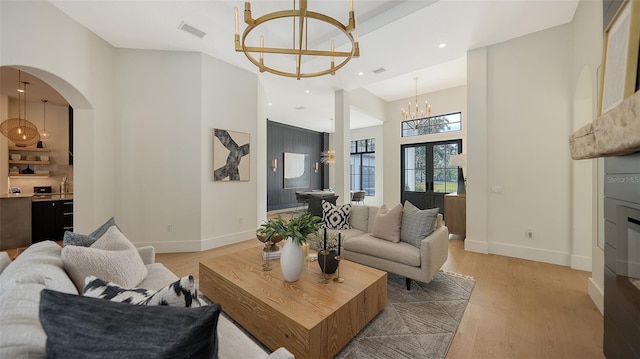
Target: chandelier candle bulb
235,12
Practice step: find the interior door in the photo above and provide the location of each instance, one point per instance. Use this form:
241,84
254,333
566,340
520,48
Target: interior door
427,174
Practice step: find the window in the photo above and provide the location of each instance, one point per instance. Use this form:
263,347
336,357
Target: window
363,166
434,124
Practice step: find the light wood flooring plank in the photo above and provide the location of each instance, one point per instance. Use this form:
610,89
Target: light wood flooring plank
518,309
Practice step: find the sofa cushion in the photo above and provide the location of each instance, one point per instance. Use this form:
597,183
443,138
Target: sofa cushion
359,218
417,223
396,252
335,217
387,222
21,335
181,293
40,263
112,258
86,240
83,327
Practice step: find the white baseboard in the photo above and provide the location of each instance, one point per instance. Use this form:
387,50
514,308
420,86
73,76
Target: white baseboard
581,263
198,246
596,294
534,254
476,246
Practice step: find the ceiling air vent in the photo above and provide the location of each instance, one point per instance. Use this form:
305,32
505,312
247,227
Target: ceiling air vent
379,71
192,30
300,108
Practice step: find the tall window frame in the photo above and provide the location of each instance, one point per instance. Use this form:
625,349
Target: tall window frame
362,164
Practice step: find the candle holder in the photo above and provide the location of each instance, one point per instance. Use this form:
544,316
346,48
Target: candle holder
324,278
266,266
338,278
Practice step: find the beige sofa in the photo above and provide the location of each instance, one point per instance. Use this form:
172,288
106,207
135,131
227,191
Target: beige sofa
40,267
420,264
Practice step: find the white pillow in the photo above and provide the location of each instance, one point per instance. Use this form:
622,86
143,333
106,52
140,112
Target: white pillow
112,258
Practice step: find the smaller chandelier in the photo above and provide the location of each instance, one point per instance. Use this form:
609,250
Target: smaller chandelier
299,48
328,156
420,117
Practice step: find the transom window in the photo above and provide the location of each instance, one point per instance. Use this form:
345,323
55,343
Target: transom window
434,124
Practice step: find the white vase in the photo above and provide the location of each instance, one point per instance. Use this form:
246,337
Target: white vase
291,260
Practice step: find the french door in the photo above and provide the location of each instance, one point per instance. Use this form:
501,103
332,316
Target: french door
427,174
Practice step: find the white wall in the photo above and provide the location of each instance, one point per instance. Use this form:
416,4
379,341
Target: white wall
160,134
587,56
39,39
229,102
375,132
528,121
442,102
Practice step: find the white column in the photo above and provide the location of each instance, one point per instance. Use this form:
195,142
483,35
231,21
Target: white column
341,146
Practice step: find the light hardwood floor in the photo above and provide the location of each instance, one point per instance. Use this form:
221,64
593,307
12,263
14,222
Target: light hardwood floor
518,309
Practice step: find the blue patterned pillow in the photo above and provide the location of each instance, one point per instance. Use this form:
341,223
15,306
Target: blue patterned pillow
182,293
416,223
335,217
86,240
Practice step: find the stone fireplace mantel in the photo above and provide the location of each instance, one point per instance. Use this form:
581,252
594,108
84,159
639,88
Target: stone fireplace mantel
615,133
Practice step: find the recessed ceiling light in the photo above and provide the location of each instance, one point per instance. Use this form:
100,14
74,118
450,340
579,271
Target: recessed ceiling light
442,45
269,103
360,73
308,91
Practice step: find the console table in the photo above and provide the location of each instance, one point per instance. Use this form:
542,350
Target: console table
455,213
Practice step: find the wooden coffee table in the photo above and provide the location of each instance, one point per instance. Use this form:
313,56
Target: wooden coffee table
310,319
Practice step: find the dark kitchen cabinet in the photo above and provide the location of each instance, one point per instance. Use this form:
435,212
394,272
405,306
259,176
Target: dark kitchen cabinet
50,219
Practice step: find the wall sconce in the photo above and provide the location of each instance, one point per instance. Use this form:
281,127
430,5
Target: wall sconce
274,164
315,167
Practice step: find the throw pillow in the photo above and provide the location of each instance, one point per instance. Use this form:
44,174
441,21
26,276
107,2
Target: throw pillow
112,257
86,240
387,223
83,327
335,217
417,223
181,293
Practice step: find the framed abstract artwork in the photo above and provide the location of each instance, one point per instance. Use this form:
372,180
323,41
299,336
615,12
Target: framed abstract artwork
297,167
620,56
231,155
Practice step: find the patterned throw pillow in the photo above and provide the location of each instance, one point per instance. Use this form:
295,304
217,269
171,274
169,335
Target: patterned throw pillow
182,293
335,217
417,223
86,240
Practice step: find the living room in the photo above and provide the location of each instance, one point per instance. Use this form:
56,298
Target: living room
143,121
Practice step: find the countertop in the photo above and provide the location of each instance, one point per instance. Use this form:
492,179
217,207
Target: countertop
39,197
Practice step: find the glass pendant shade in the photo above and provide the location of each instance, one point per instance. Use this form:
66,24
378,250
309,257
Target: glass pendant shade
44,134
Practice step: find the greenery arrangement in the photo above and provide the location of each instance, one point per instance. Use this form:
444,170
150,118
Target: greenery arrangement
273,230
297,228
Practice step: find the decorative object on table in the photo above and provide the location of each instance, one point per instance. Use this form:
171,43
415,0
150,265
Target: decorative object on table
338,258
297,168
231,155
297,230
270,233
328,244
301,15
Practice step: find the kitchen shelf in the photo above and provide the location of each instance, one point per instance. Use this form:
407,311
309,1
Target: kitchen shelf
29,149
25,162
21,175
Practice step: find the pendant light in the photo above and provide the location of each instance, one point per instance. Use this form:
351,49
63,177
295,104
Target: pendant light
44,134
19,130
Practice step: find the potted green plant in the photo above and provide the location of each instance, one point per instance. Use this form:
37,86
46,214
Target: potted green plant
297,230
272,231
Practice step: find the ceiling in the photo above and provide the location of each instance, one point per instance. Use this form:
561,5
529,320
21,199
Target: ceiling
401,36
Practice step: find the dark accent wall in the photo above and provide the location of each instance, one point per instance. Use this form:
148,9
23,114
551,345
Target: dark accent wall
283,138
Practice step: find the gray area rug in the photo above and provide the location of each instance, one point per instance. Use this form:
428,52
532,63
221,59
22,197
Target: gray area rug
419,323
